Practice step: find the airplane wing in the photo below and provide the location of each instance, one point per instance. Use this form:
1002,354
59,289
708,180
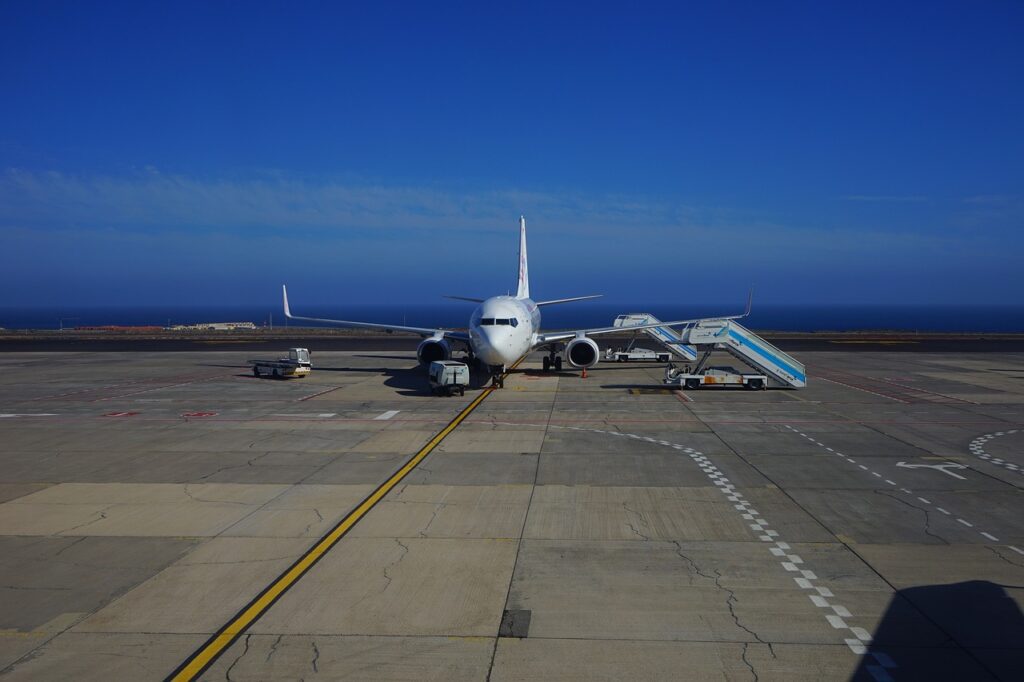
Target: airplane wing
561,336
422,331
568,300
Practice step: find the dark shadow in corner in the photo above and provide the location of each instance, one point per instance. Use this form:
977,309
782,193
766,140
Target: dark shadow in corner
977,632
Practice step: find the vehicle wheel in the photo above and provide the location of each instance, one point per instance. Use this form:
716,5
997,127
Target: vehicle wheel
277,375
692,384
255,371
462,391
547,364
558,363
755,384
662,358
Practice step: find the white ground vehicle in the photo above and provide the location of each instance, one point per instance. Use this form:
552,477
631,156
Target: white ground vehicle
714,376
448,377
631,352
297,364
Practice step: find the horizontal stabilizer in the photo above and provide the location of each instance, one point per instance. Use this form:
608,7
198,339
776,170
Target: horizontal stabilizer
465,298
569,300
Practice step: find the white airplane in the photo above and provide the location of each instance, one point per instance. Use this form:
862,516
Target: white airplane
505,328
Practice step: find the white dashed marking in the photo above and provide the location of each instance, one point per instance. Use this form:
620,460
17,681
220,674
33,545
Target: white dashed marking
806,578
974,446
41,414
977,448
387,415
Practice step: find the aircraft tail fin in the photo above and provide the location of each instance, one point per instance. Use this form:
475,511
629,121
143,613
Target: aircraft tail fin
524,273
284,294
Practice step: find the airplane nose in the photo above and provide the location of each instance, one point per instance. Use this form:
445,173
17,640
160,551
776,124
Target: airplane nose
497,345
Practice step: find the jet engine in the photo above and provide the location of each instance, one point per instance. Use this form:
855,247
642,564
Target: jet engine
582,352
433,349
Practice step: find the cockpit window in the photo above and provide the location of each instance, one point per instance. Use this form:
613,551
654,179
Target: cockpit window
498,321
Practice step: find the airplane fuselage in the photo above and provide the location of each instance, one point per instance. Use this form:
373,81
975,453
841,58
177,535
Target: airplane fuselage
502,329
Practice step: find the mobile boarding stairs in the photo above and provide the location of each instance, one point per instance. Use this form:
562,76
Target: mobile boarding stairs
699,339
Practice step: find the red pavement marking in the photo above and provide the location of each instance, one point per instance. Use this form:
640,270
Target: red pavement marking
157,388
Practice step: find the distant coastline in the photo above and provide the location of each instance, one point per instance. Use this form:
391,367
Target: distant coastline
985,319
320,339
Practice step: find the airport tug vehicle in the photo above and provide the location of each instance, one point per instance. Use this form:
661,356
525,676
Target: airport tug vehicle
448,377
713,376
296,364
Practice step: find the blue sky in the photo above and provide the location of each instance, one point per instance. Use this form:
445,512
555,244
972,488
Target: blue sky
206,152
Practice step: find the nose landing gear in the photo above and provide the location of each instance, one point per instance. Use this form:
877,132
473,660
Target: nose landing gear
497,376
552,360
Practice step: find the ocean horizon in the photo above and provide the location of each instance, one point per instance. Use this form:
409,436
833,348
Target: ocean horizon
767,317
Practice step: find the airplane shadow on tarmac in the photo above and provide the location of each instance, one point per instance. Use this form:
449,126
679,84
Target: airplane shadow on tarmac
408,382
979,617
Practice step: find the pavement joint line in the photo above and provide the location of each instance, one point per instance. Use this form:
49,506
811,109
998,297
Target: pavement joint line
858,388
924,390
201,659
987,536
160,388
100,388
318,393
790,564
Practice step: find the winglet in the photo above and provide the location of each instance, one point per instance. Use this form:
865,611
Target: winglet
284,293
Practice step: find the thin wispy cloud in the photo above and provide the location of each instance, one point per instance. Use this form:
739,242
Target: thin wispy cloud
154,200
885,198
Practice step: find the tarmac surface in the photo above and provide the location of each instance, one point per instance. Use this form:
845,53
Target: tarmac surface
870,526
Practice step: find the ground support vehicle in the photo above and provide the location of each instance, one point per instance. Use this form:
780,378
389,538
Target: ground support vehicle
632,352
296,364
448,377
688,341
714,376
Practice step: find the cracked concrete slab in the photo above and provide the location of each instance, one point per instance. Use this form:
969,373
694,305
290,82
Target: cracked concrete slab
126,509
42,578
537,660
399,586
440,511
638,513
101,657
198,593
409,659
307,511
633,565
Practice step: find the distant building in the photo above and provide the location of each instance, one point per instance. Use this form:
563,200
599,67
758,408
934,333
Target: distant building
214,326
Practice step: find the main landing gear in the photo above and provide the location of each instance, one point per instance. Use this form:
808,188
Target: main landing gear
552,360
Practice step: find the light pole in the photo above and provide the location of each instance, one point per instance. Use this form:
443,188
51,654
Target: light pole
60,322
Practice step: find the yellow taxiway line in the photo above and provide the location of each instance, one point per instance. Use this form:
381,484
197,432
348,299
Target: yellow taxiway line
205,655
